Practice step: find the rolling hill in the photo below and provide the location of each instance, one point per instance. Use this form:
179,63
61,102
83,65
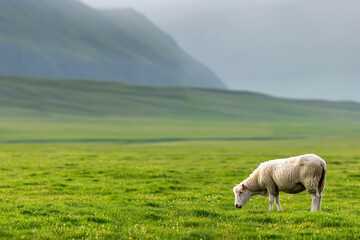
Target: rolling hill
32,97
67,39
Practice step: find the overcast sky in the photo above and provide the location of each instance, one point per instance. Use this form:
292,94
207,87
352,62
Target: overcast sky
288,48
126,3
147,3
156,6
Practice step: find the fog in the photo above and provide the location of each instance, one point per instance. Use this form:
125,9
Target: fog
287,48
145,5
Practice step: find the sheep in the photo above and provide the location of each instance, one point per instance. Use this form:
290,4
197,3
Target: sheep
291,175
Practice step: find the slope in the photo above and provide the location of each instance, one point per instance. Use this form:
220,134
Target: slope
149,35
30,97
66,39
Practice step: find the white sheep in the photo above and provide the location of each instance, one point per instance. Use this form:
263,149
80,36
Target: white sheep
291,175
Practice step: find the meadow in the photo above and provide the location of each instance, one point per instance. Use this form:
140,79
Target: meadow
83,180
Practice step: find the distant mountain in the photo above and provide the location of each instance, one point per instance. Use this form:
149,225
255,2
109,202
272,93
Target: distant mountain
67,39
36,98
288,48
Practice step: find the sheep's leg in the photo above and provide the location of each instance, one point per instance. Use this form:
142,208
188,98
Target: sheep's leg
319,204
277,198
315,201
271,201
311,186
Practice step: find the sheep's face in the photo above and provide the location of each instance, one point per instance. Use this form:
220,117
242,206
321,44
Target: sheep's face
242,195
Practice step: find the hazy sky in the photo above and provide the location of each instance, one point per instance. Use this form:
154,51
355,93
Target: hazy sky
141,3
151,6
126,3
288,48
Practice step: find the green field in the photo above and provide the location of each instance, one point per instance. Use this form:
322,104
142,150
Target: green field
170,188
99,160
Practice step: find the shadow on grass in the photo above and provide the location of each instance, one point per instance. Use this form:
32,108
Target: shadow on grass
97,220
153,205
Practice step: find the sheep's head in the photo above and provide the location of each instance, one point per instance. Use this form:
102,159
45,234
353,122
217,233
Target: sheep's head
242,195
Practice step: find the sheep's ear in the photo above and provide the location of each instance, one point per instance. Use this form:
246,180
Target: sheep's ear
243,185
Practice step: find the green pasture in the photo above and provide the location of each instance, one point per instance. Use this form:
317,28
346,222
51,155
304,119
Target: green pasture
85,159
139,130
58,99
73,180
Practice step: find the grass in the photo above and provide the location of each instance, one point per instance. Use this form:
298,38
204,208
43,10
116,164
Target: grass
169,190
51,99
90,160
135,130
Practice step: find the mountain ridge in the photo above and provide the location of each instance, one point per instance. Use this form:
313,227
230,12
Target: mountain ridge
67,39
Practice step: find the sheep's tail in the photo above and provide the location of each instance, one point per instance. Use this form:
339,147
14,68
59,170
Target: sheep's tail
323,177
